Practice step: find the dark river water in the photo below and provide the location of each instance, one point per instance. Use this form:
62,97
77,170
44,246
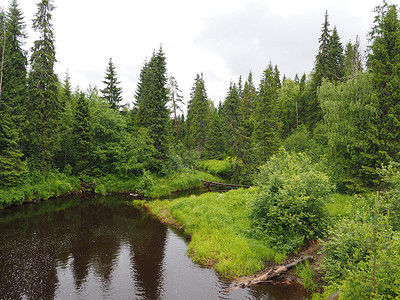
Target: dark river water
102,248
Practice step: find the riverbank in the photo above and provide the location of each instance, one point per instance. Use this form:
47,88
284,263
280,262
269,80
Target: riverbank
57,184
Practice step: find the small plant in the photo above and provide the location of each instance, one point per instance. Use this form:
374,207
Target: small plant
307,275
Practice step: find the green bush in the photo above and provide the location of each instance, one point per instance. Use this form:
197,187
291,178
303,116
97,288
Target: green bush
290,206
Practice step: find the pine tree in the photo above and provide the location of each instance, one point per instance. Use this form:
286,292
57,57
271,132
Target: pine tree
44,105
267,127
112,92
198,116
152,112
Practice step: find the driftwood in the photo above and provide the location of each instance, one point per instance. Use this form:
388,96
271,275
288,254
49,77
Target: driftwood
334,296
209,184
267,275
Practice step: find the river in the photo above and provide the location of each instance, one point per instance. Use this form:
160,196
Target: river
98,247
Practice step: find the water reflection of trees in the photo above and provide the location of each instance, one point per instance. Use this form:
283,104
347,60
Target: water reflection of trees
88,234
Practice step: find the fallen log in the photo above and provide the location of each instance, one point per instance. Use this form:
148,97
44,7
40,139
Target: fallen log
334,296
209,184
268,274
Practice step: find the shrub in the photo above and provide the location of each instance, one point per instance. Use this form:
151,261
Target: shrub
290,205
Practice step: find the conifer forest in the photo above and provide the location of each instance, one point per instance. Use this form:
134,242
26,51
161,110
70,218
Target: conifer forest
320,150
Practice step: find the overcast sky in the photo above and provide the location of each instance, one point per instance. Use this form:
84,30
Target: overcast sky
221,38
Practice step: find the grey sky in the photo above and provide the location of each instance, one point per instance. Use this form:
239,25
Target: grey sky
221,38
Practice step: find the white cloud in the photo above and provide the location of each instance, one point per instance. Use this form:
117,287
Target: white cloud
221,38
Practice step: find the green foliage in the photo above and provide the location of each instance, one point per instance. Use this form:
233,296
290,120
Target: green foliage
290,206
12,166
301,140
82,134
146,184
219,225
307,275
180,181
39,188
349,114
391,196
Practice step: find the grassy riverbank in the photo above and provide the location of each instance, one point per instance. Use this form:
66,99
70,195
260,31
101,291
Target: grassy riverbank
56,184
40,188
219,226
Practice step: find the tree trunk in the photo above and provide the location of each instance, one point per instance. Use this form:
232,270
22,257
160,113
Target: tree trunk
268,274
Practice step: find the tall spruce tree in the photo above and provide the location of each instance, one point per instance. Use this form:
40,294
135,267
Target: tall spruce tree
152,112
247,104
14,81
336,58
322,63
198,116
44,105
214,147
236,142
384,64
112,92
267,126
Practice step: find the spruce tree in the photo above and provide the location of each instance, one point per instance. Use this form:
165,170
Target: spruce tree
248,104
44,104
267,126
152,112
198,116
14,83
336,58
112,92
322,63
384,64
236,142
214,147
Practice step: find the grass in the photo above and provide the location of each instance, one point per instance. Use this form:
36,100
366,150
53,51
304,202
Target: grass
56,184
307,275
219,225
163,186
216,167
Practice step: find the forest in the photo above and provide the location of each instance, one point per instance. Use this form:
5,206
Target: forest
331,134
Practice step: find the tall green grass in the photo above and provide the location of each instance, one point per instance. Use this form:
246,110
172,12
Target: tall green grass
220,228
181,181
216,167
